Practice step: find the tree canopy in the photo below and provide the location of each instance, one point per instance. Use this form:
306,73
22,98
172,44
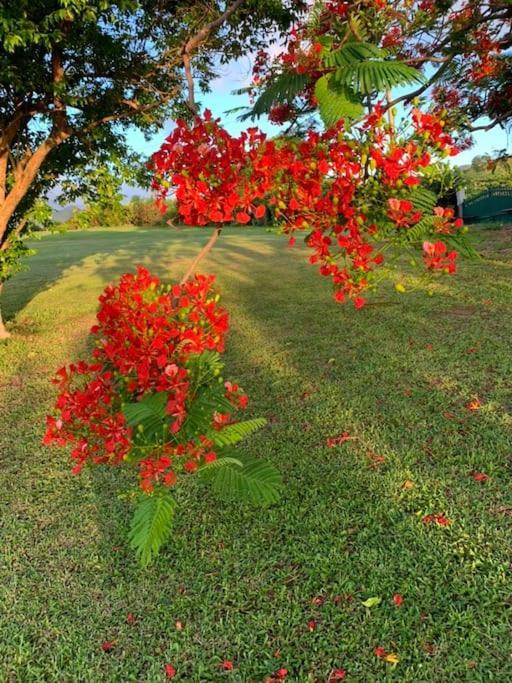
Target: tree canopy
76,74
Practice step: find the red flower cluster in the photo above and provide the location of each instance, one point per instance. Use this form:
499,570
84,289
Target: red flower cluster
146,332
437,257
327,186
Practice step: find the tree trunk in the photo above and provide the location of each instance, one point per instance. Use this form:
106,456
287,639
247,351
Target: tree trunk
3,332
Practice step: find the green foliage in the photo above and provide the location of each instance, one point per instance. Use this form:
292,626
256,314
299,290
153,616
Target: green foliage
151,525
148,418
353,53
282,89
485,173
377,76
104,67
11,258
336,102
356,69
244,479
248,480
341,525
423,199
233,433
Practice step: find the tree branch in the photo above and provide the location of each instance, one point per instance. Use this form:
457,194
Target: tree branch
419,91
200,256
194,42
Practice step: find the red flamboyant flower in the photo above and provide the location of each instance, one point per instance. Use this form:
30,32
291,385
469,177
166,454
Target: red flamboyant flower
170,671
146,332
227,665
439,519
437,257
315,185
398,600
480,476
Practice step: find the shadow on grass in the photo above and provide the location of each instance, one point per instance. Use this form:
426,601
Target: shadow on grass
107,254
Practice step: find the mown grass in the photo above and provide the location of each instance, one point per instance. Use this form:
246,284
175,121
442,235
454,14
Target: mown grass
397,375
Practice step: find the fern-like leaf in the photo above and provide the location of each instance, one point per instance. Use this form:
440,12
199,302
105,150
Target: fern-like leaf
244,479
151,525
352,53
202,368
423,200
283,88
378,75
209,399
463,246
336,102
150,413
236,432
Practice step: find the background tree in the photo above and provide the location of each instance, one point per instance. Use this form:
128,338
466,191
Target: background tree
461,49
76,74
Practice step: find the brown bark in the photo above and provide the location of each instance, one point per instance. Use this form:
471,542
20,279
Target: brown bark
200,256
195,41
3,332
24,173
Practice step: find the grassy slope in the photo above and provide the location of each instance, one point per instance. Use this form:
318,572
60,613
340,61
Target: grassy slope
242,581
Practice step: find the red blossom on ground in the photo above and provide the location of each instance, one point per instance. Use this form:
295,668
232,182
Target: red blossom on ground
108,645
170,671
440,519
227,665
130,618
333,441
337,675
398,599
474,405
480,476
318,600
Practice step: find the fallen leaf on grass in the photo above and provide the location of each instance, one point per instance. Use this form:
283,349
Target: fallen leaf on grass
372,602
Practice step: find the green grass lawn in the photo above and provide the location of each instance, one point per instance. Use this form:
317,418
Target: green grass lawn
398,375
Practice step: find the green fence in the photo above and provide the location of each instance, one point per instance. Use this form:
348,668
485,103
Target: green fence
492,204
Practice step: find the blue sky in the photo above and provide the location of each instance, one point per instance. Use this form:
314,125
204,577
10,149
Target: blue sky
237,75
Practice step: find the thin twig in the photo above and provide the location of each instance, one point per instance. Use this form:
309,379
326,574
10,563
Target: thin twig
200,256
